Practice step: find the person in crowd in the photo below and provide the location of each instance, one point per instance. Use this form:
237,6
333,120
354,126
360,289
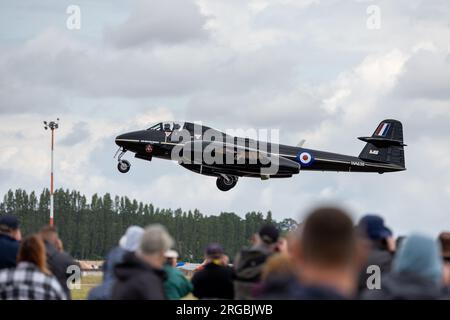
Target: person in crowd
215,280
250,261
225,260
416,272
57,261
325,256
129,242
277,264
379,245
30,280
444,239
59,245
277,274
176,285
10,237
140,276
398,242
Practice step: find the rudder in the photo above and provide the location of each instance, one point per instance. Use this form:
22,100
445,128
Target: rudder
386,144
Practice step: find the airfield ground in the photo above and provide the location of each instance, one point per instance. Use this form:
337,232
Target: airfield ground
90,281
87,283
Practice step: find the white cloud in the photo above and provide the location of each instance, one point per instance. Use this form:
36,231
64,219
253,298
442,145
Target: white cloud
426,75
159,22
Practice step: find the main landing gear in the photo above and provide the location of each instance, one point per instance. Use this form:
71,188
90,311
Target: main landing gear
225,183
122,165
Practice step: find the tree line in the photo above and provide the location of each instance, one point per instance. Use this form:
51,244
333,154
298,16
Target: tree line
89,229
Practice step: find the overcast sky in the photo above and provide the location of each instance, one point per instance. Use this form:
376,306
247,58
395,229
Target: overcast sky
315,70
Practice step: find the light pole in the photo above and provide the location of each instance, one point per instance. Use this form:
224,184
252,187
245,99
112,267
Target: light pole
52,125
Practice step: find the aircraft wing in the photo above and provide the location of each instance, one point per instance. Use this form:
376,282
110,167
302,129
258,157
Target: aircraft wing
230,158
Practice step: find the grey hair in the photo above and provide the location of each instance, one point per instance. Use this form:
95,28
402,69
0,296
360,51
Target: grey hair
155,239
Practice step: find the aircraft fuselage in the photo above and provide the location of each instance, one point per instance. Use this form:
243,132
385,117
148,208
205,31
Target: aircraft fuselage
165,144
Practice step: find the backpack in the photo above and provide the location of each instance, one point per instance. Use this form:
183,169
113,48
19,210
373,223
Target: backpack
249,265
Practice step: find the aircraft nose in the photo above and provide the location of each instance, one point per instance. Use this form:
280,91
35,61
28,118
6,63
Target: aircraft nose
120,139
129,137
124,138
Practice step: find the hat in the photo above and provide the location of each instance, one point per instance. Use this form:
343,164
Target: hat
444,238
419,254
171,254
10,222
373,227
131,239
214,250
268,233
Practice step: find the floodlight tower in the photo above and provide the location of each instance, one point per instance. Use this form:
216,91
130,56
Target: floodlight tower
52,125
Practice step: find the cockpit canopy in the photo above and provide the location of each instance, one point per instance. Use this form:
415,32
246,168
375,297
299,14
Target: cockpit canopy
171,126
167,126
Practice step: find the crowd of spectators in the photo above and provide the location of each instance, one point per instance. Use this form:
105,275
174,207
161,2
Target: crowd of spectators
327,257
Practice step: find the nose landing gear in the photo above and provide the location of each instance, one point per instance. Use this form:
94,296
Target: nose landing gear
123,165
225,183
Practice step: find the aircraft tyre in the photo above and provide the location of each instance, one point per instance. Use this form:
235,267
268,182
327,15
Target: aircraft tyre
226,184
123,166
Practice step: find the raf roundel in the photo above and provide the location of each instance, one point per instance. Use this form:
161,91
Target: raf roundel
148,148
305,159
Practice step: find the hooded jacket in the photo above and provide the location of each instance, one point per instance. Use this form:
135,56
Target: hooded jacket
416,272
136,280
405,286
248,265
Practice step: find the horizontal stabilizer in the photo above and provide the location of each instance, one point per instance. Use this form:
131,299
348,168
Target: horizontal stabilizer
382,141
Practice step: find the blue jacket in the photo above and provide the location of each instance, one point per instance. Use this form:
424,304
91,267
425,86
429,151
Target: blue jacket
9,248
103,291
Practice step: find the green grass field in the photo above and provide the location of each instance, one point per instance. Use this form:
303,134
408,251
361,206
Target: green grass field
88,282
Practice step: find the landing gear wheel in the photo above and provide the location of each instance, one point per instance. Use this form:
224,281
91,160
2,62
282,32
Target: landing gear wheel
123,166
225,184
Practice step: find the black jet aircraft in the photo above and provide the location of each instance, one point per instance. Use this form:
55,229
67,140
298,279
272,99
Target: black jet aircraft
210,152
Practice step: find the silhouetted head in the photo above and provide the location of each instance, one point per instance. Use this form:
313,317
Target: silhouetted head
327,238
171,257
154,243
9,225
373,227
50,234
268,234
32,250
214,251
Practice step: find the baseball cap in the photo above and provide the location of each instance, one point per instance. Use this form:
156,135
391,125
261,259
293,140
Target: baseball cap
171,254
269,233
214,250
10,222
373,227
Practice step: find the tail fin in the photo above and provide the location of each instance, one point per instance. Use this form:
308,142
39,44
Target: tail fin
386,144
